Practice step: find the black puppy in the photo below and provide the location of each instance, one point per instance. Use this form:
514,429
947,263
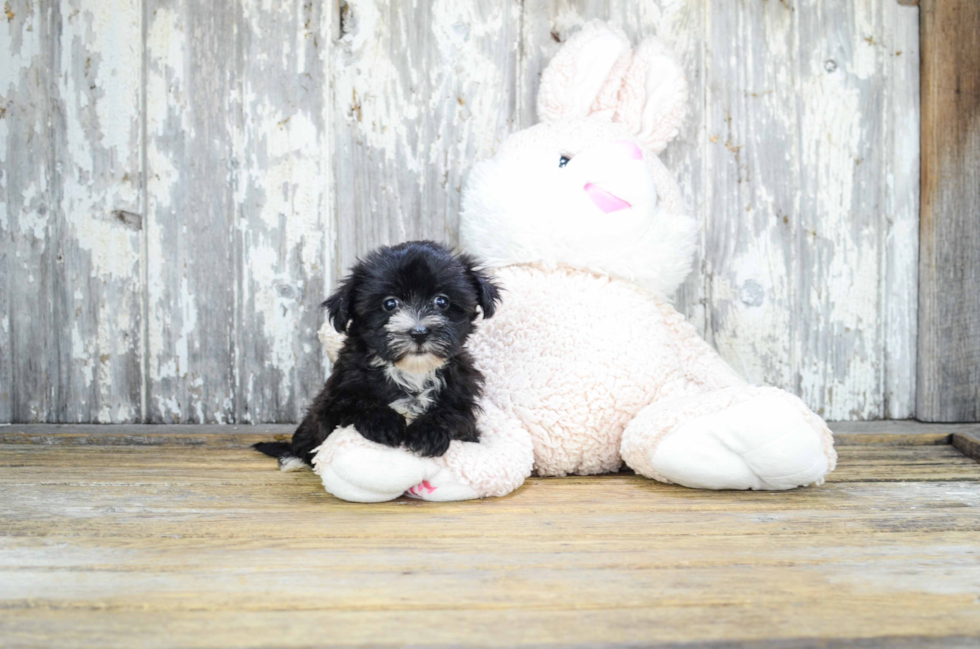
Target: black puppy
402,375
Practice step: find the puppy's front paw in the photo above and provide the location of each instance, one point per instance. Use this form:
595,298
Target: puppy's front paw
384,426
427,438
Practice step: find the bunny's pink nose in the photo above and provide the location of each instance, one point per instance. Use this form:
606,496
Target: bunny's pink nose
604,200
632,151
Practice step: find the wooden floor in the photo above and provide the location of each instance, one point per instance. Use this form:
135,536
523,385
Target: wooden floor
118,538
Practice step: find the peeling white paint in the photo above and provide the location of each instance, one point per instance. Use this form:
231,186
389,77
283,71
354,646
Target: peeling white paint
81,353
369,83
798,282
33,219
169,406
188,326
100,64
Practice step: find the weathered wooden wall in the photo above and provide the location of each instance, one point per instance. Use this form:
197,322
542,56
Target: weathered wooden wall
949,269
183,180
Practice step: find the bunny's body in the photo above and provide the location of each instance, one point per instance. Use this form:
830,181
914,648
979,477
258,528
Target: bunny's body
587,364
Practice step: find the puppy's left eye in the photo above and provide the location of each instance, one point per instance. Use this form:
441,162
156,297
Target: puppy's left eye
441,302
562,161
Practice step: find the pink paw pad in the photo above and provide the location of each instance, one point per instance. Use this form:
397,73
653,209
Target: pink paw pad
421,489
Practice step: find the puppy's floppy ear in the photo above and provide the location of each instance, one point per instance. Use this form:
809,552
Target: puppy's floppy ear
340,305
487,291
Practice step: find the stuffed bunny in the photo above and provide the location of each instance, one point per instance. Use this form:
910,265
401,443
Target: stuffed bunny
587,364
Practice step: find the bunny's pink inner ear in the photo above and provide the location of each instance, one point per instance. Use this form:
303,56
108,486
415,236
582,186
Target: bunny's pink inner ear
653,97
607,101
574,79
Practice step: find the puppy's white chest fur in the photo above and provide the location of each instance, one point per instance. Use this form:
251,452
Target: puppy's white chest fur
421,388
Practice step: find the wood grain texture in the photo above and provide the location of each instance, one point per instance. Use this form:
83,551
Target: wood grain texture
70,212
283,191
807,237
282,140
238,180
968,443
421,92
192,546
949,265
28,385
192,81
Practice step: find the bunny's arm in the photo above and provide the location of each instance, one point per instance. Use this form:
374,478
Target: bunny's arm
702,364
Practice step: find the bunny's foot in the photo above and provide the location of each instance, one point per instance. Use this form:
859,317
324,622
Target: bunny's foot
735,438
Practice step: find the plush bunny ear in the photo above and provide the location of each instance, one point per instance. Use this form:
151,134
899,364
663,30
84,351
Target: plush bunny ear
653,96
586,74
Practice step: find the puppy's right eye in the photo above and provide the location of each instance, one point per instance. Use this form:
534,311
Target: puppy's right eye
562,161
390,304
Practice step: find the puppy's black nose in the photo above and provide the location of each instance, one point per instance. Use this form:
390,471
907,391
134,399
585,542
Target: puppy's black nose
419,334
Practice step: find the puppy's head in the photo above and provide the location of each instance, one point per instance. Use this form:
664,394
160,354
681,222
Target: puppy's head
412,305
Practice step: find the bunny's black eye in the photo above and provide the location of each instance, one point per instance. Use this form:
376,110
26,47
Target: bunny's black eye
562,161
390,304
441,302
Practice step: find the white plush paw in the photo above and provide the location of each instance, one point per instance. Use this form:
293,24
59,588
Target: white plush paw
371,474
442,486
762,443
355,469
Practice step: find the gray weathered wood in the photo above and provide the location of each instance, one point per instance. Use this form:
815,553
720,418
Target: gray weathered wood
283,188
98,168
71,211
800,228
284,139
193,106
238,178
26,318
421,91
750,159
949,266
900,198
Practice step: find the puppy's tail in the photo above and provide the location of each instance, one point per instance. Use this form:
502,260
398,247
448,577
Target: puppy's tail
282,451
275,449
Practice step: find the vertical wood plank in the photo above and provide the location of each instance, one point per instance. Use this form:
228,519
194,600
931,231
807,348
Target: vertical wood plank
422,91
752,165
193,109
837,337
97,281
809,278
845,56
71,212
900,199
548,23
949,264
283,194
28,358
